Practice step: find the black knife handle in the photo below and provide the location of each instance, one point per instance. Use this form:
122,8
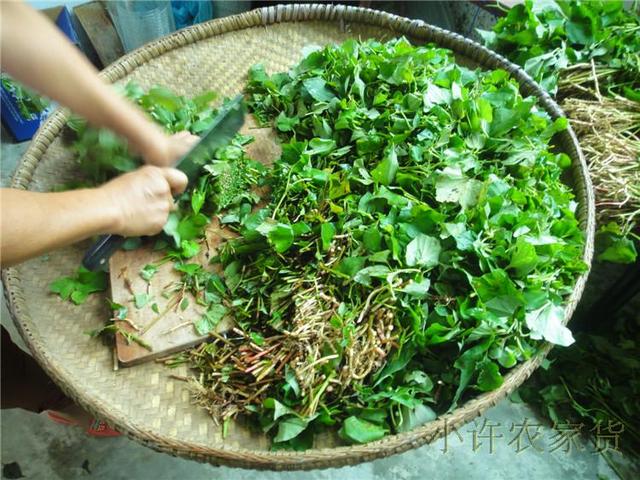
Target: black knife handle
97,257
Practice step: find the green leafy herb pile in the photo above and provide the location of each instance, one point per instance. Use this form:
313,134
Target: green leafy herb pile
555,40
417,244
30,104
588,53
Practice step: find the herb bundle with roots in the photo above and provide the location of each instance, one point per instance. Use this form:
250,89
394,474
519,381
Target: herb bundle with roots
608,128
235,372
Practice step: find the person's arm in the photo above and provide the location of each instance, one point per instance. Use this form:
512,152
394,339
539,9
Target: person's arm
36,53
133,204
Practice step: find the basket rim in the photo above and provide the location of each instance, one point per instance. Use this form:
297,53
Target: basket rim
313,458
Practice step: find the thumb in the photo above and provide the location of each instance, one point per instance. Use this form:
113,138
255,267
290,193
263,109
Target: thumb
176,179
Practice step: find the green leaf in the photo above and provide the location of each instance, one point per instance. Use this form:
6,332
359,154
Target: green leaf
233,275
620,250
423,251
372,239
579,32
398,362
352,265
286,124
280,235
186,228
503,305
317,88
507,358
290,428
327,232
524,258
197,200
63,287
418,377
204,99
364,275
498,292
546,323
453,186
417,289
256,338
291,382
190,269
189,248
184,304
435,95
355,430
489,377
466,363
257,74
148,271
80,286
141,299
385,171
209,321
163,97
414,417
320,146
463,237
79,296
279,409
119,312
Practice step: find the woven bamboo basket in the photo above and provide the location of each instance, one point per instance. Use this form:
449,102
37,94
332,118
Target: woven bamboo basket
144,402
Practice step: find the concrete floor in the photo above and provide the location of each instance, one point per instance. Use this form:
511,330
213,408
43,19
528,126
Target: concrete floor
45,450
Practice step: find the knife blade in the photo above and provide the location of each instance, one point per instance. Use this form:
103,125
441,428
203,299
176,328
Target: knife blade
225,125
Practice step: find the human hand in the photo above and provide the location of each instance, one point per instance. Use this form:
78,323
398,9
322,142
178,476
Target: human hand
140,201
167,150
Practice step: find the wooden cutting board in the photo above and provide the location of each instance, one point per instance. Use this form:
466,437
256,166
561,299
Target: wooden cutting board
174,330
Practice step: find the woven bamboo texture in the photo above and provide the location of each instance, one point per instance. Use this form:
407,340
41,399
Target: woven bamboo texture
143,401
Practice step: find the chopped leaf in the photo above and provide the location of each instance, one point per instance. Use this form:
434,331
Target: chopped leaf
141,299
148,271
80,286
209,321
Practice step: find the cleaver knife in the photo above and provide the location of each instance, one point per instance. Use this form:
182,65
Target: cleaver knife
225,125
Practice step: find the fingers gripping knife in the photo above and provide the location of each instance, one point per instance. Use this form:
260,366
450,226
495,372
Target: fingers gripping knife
224,127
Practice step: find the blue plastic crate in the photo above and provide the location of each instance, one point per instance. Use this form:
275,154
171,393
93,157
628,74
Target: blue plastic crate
24,128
